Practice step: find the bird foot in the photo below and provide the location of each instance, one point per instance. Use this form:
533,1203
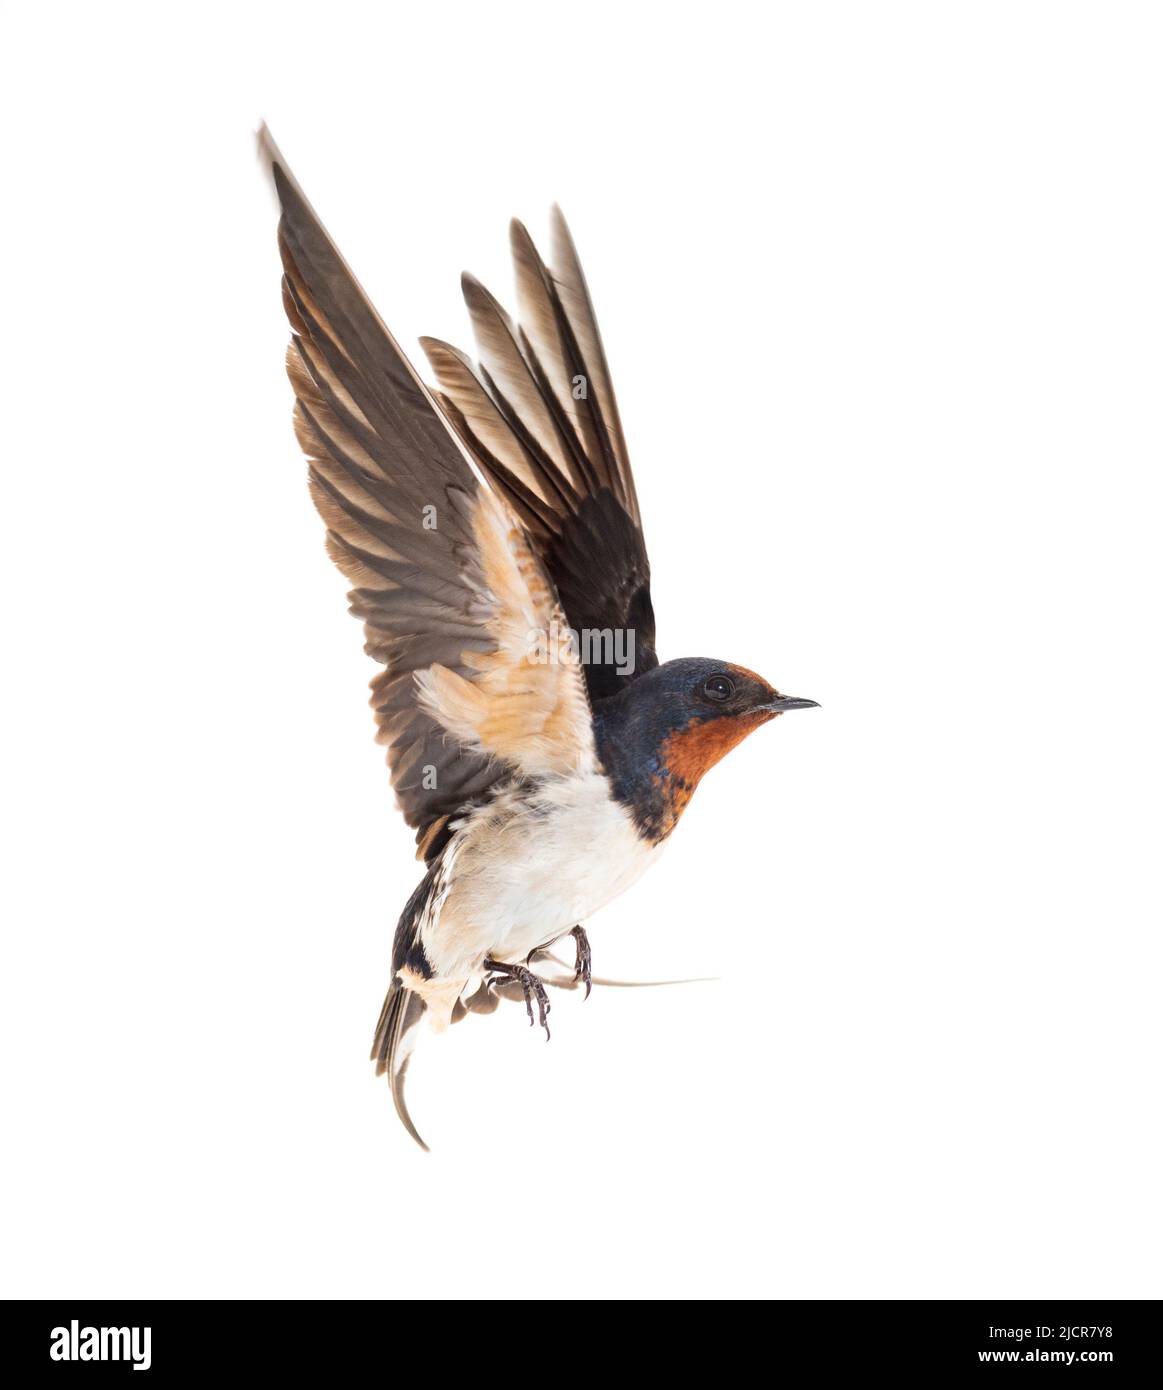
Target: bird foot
583,972
531,986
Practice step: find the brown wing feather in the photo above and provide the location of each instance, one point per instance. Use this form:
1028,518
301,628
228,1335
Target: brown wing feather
579,310
450,592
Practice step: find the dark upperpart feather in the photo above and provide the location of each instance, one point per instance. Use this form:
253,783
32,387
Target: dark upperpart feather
540,418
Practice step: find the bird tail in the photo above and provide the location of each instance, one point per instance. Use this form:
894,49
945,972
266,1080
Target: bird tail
395,1038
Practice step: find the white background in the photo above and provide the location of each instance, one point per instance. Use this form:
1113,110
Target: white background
881,288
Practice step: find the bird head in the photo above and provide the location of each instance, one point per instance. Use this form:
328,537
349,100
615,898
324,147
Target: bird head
670,726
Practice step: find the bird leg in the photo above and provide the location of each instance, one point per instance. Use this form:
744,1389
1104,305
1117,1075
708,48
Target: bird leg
582,969
531,987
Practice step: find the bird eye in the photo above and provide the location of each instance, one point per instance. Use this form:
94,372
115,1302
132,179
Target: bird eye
719,688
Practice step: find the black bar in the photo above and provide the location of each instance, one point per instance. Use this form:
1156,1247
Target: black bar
909,1340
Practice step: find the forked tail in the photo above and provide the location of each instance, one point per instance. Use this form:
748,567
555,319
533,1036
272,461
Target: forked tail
395,1037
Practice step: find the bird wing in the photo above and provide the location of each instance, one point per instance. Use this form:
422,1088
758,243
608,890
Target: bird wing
539,417
455,601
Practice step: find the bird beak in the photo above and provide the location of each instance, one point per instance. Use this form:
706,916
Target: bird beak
786,702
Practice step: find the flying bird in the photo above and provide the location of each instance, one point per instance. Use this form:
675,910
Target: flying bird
491,530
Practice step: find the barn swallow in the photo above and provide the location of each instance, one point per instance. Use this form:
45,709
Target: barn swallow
491,529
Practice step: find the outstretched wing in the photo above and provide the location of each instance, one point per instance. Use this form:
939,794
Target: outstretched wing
455,602
540,418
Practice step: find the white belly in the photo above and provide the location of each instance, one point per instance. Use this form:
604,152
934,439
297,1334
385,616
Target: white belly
523,873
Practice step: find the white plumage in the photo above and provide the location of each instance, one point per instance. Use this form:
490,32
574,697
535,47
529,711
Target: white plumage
512,878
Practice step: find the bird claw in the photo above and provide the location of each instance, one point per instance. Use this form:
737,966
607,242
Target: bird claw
531,986
583,972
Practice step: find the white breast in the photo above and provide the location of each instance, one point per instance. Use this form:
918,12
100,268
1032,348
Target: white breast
526,870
